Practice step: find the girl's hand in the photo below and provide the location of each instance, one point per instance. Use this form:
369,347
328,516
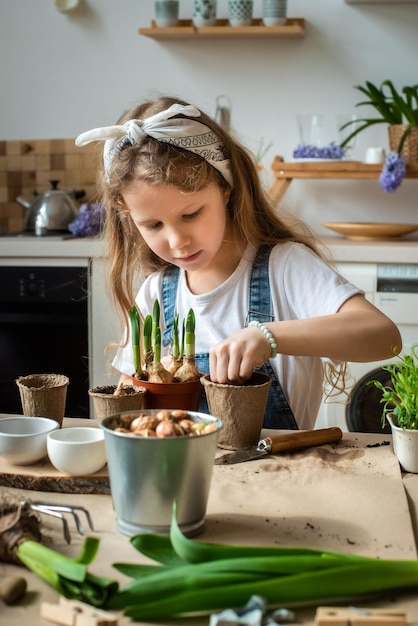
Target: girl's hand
232,361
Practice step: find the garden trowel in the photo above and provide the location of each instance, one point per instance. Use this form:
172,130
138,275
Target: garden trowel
282,443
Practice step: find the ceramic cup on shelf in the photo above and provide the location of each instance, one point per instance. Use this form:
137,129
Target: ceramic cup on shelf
166,13
240,12
274,12
204,13
375,155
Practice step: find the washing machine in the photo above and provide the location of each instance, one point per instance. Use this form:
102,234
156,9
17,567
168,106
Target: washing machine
393,288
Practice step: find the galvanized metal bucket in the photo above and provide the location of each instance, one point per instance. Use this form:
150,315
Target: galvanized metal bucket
147,474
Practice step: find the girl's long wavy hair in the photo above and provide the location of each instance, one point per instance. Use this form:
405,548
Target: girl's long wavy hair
252,215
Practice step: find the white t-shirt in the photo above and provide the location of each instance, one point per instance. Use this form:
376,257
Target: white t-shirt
302,285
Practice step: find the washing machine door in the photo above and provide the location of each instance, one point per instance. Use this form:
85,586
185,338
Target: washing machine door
363,413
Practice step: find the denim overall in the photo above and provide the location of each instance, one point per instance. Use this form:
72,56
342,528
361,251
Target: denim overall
278,412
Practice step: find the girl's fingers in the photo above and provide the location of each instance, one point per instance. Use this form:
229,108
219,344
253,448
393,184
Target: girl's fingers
233,360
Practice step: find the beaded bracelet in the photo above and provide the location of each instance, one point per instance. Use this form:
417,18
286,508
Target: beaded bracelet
268,335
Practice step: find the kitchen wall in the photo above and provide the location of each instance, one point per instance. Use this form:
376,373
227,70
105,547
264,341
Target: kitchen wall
63,74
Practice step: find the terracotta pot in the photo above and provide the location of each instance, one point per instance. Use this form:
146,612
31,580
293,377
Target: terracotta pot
171,395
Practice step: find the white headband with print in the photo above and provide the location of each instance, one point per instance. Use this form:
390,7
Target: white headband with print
181,133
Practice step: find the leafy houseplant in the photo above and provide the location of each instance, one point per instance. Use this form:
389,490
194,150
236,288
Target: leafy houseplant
400,408
400,399
397,109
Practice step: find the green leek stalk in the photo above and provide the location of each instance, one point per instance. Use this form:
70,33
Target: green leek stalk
68,576
147,344
157,373
135,338
155,321
188,372
183,332
175,358
203,577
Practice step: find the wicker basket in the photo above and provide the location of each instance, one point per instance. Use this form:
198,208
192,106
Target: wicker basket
410,147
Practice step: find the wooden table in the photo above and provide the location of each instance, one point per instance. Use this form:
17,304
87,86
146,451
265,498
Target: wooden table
349,496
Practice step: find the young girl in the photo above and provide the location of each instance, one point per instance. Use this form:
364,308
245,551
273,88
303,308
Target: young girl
184,205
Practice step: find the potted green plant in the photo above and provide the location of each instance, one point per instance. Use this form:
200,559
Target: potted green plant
400,407
177,385
399,110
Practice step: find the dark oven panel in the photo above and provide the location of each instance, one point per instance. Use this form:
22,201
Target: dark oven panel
44,329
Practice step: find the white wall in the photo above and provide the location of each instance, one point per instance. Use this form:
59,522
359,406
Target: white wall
60,75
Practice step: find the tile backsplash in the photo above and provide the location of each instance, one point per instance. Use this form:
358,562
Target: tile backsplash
28,166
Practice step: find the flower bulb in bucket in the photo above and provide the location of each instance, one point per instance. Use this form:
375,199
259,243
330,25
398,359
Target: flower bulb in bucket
149,471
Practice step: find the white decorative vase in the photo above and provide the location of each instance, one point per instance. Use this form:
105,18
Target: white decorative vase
240,12
204,13
405,446
274,12
166,13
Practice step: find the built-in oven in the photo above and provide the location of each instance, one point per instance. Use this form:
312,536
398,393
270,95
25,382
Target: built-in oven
44,329
392,288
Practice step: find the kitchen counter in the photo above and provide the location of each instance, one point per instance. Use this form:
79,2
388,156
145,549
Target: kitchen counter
349,496
355,251
21,247
340,249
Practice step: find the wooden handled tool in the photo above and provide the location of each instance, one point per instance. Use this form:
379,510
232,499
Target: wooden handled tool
283,443
300,439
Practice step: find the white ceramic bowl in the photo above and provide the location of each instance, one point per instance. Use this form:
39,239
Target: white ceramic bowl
23,440
77,451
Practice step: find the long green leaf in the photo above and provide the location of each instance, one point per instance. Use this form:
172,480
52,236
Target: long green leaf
192,551
190,334
139,570
152,589
135,337
167,580
156,547
350,580
89,550
61,564
147,333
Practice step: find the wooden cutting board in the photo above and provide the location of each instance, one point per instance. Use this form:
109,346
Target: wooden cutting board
43,476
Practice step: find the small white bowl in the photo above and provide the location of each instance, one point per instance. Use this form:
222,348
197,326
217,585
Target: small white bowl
23,440
77,451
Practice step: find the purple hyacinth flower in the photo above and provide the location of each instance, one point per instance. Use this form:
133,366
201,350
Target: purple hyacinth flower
393,172
332,151
89,221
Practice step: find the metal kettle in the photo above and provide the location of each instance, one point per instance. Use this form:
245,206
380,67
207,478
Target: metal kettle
52,210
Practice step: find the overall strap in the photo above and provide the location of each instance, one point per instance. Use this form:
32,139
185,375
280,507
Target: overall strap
259,299
278,412
169,295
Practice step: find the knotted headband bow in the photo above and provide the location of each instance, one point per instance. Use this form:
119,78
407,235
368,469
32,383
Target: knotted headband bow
185,133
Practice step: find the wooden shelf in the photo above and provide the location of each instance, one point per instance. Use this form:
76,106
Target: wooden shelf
285,172
381,1
293,27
